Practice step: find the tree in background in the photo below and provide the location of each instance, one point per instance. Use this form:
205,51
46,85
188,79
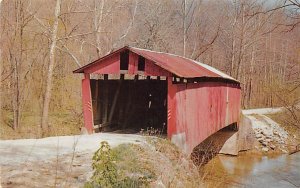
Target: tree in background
254,42
47,96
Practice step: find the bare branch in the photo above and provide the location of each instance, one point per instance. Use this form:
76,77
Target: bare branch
78,35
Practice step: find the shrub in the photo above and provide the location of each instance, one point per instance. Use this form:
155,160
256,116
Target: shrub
111,170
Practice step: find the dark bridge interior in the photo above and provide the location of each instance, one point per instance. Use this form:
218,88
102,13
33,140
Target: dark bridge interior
128,106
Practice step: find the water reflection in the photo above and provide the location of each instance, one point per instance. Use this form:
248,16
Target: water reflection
251,170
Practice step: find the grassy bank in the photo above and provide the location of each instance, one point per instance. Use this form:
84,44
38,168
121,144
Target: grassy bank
158,163
290,122
60,123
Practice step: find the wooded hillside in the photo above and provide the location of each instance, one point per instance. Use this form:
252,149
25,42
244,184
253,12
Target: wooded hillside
42,42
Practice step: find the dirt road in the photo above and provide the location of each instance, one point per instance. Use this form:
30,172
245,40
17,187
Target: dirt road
63,161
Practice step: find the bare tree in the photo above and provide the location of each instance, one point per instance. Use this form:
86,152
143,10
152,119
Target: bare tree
188,13
1,95
14,33
246,39
47,97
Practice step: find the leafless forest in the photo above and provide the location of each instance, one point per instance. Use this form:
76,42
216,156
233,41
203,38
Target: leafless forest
42,42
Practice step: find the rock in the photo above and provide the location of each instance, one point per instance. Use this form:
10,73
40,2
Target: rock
259,135
279,136
264,143
265,149
268,139
260,140
272,146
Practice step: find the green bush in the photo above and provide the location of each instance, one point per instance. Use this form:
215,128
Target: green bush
110,171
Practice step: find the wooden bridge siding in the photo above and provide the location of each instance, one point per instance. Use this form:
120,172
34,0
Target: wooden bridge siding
112,66
199,110
87,104
234,104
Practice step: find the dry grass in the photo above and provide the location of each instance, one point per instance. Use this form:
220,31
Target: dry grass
288,122
60,123
158,162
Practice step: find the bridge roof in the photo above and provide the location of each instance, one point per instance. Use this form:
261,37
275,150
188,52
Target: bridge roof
178,65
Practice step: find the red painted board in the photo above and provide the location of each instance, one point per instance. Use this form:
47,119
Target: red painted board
87,104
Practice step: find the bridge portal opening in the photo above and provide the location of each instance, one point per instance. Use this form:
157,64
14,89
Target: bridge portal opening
129,104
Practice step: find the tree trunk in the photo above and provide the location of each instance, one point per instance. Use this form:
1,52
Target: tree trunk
16,60
184,28
16,96
97,25
249,91
47,96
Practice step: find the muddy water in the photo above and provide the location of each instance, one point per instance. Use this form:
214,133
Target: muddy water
250,170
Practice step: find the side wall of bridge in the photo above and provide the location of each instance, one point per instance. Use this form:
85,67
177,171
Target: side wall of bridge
198,110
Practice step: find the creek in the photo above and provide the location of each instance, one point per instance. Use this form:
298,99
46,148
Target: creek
252,170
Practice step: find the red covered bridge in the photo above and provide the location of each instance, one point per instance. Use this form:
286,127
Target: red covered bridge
135,89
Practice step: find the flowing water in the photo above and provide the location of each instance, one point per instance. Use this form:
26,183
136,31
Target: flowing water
252,170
